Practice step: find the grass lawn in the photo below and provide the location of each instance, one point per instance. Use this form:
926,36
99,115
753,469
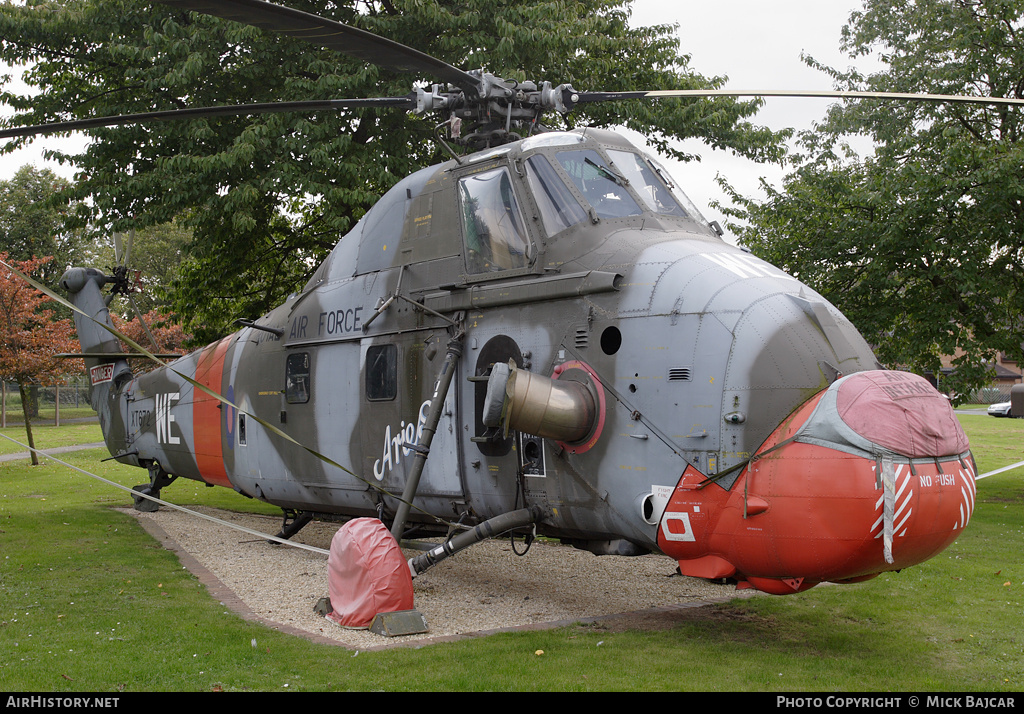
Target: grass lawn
47,436
89,602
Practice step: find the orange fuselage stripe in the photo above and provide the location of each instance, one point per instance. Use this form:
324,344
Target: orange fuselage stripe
207,415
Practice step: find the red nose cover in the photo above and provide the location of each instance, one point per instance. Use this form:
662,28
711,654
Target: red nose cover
367,574
873,474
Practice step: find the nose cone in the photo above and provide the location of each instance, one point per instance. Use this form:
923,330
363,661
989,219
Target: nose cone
872,474
785,349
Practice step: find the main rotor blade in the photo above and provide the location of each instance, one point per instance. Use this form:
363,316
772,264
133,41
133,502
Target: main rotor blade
333,35
590,97
407,102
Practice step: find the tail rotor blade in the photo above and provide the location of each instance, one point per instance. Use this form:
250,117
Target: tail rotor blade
118,248
142,321
128,247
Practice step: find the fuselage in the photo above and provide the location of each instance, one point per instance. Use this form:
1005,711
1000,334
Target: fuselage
568,255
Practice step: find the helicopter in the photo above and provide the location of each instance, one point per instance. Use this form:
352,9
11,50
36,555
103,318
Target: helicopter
543,335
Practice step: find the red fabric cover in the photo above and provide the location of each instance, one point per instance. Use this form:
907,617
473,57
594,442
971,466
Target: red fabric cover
366,573
902,412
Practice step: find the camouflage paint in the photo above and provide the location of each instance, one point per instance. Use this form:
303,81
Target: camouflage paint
700,349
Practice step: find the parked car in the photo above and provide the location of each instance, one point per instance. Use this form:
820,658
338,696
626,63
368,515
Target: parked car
999,410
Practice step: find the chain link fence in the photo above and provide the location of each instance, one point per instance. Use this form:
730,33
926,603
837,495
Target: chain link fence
48,404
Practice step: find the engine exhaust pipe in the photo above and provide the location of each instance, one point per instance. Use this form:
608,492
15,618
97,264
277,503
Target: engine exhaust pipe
564,409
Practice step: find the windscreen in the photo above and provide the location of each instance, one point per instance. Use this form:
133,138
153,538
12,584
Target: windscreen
680,196
644,182
558,208
603,188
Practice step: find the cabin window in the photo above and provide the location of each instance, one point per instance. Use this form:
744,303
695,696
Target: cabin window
381,372
493,227
558,208
297,378
603,187
643,181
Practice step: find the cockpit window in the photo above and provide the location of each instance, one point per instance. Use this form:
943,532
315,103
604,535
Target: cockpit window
642,180
681,198
603,187
496,237
558,208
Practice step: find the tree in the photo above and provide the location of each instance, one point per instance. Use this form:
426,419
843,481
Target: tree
30,336
169,335
35,208
157,254
922,243
267,197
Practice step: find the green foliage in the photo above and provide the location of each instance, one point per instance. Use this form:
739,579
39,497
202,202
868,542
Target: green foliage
34,209
921,243
267,197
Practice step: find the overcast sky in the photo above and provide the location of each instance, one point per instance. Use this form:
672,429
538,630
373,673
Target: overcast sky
756,43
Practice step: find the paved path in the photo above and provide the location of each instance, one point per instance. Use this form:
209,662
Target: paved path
983,411
55,451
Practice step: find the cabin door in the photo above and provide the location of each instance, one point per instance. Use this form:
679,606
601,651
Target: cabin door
399,373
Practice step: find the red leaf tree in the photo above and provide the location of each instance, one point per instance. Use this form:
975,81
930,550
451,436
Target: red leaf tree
169,336
31,336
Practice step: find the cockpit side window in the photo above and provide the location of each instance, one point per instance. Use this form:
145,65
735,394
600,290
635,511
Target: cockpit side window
642,180
493,227
558,208
603,187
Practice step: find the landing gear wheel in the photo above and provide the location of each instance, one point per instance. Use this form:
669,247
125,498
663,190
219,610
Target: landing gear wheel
158,478
145,505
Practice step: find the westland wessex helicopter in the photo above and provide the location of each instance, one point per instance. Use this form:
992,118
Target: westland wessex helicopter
546,334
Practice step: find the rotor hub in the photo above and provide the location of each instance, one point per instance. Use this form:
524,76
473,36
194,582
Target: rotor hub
488,117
